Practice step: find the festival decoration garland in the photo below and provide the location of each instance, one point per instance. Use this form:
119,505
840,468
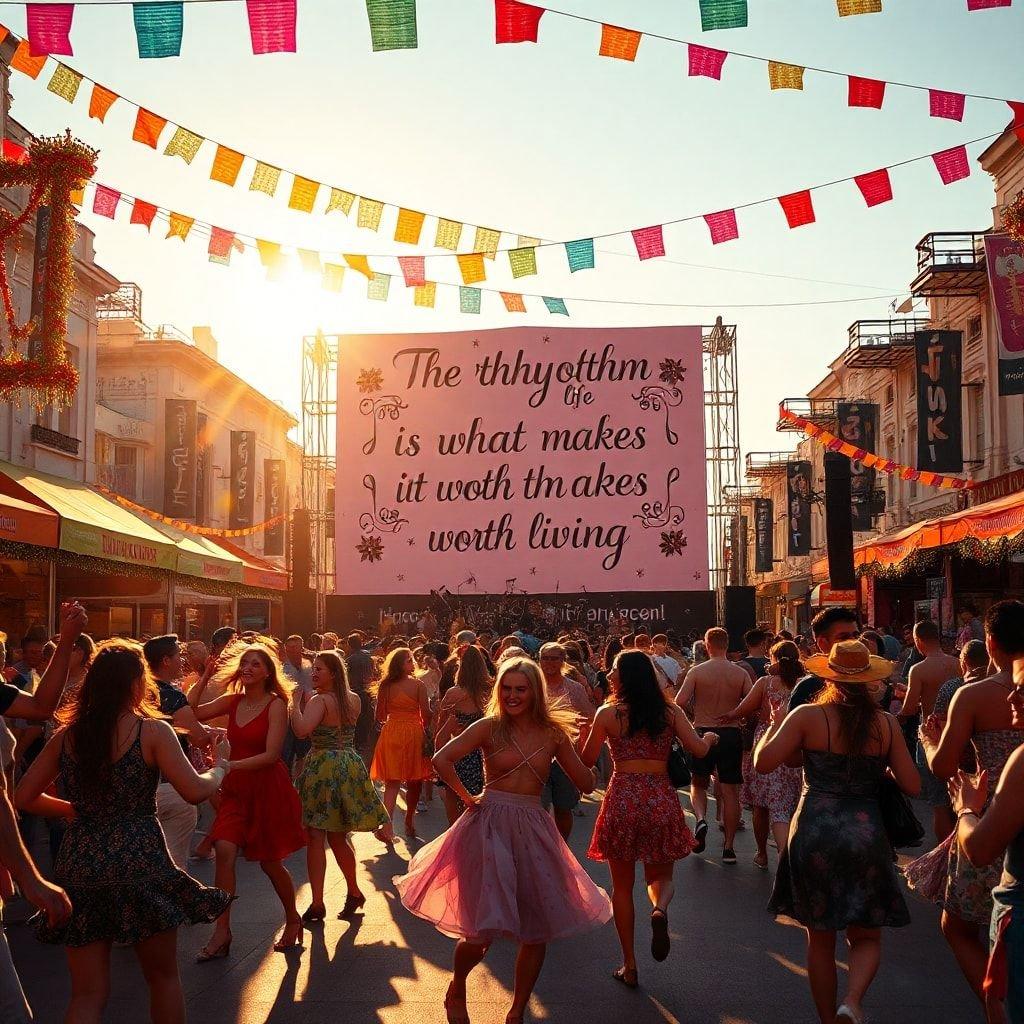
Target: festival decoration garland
1013,217
37,360
872,461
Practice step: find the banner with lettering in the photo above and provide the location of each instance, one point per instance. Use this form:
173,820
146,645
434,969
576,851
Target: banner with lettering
522,461
1005,260
242,507
274,497
858,425
798,507
940,447
764,534
180,457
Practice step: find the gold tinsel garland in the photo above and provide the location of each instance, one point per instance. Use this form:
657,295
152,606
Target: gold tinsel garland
37,360
1013,217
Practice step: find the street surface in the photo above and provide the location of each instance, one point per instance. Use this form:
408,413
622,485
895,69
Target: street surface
730,962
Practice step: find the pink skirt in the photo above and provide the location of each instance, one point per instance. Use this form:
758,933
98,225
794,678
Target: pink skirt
503,871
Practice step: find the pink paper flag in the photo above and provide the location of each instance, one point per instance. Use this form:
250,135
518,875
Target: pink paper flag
866,92
272,25
221,242
952,164
104,203
984,5
515,22
706,62
49,26
798,208
649,242
946,104
413,271
875,187
722,225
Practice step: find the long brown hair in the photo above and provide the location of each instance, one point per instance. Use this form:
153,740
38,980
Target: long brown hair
557,719
473,678
857,711
232,670
785,656
117,682
335,664
394,669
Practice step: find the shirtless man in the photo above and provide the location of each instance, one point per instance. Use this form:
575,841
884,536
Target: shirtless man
711,686
923,684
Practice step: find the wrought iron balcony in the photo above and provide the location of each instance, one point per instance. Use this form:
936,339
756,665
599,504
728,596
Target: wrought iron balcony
54,439
119,479
875,344
950,264
821,411
763,464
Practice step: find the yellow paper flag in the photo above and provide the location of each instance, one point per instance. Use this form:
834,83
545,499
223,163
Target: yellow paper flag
65,83
334,276
369,213
303,196
523,262
226,165
340,200
179,226
409,226
184,144
424,294
448,234
78,196
358,263
472,266
265,178
270,253
785,76
848,7
487,241
526,242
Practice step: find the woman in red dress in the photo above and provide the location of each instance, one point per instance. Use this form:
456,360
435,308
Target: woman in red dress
260,813
641,818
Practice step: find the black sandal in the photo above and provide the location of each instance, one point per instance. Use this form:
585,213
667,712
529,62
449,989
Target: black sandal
628,976
660,941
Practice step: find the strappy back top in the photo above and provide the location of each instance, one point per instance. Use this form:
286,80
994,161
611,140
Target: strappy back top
524,761
130,790
859,775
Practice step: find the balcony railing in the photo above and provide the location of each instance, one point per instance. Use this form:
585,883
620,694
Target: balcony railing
821,411
54,439
119,479
762,464
881,343
950,264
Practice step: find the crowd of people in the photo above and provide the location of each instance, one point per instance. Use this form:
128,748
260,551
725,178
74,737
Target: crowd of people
141,757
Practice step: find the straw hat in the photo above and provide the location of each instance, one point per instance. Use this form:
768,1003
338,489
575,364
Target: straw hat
849,662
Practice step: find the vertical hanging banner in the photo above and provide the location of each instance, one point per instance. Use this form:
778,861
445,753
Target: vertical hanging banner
764,534
274,498
839,522
243,479
798,507
1005,260
858,425
181,457
202,466
940,446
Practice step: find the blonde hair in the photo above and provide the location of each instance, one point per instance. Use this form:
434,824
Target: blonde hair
230,676
557,719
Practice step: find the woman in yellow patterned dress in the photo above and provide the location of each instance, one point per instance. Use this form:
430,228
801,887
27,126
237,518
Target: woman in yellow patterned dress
337,795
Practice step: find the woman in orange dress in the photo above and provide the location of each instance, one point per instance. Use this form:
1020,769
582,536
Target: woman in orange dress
401,756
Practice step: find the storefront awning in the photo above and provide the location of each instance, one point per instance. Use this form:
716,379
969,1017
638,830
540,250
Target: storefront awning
256,571
26,523
994,520
200,556
823,596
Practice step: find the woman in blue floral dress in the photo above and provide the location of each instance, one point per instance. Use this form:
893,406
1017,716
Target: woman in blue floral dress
337,795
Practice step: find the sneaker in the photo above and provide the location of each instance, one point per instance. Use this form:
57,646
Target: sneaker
728,856
700,833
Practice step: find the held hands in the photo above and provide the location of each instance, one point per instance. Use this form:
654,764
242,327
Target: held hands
968,792
73,620
711,738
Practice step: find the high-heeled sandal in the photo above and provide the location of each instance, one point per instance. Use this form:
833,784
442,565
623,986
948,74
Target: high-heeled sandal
206,954
628,976
296,943
315,912
352,904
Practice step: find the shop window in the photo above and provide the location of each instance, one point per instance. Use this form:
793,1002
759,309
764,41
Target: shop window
126,462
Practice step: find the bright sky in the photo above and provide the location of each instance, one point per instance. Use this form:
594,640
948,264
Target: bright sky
553,141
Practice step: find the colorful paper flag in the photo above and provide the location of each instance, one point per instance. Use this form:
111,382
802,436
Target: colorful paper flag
555,306
158,28
580,254
378,286
272,25
1017,123
77,194
304,193
513,302
866,92
360,264
952,164
621,43
716,14
65,83
472,266
785,76
333,278
413,270
49,28
848,7
515,22
340,200
310,261
100,101
392,24
649,242
224,258
148,127
143,213
487,241
178,226
705,62
269,253
221,241
527,242
265,178
798,208
23,61
722,226
425,295
449,232
104,202
523,262
184,144
875,187
13,151
409,226
986,5
226,165
946,104
369,214
469,300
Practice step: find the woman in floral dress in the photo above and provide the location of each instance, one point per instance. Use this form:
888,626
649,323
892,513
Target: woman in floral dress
641,818
337,795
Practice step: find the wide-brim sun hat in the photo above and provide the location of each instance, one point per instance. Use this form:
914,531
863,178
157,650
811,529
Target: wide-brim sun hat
849,662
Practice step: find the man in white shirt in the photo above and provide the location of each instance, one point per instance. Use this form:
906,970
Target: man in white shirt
667,666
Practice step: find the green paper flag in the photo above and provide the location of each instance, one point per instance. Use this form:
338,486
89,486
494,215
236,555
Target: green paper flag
158,28
392,24
555,305
715,14
469,299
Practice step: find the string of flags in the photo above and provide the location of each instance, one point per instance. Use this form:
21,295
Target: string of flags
837,444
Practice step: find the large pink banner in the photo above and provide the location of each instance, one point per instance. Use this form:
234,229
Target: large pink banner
1005,259
545,460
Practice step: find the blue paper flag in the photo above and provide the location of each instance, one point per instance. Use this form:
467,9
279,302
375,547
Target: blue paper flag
580,254
469,299
556,306
158,28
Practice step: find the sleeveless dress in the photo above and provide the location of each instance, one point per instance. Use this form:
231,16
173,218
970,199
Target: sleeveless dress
641,818
259,808
837,868
399,752
945,875
114,864
779,790
336,793
470,769
503,871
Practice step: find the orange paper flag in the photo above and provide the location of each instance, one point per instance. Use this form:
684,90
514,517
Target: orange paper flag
513,302
226,165
358,263
148,127
621,43
100,102
409,226
24,62
178,226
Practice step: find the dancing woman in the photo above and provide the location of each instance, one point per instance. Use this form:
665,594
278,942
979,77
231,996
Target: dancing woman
641,818
502,870
259,812
337,795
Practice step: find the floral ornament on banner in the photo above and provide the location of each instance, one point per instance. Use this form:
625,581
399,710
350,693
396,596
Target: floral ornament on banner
655,398
380,520
37,361
371,549
1013,217
387,406
656,514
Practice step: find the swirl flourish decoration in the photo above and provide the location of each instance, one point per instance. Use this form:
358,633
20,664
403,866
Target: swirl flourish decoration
655,397
385,407
380,520
654,515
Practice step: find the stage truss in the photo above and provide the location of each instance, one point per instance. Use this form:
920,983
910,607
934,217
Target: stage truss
319,458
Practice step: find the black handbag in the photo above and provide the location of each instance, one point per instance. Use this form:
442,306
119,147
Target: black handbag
678,767
901,824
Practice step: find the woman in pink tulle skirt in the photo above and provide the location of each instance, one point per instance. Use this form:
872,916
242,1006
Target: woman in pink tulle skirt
502,870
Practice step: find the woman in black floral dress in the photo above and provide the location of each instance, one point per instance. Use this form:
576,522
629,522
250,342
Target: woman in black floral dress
113,861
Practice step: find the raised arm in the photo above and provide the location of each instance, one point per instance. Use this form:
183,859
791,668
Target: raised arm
213,708
598,734
186,720
984,837
306,719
